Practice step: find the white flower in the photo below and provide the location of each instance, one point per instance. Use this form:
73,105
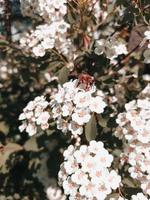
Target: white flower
48,43
146,186
29,114
97,105
75,128
101,191
22,127
39,51
43,118
121,119
99,174
30,105
33,42
81,116
68,152
114,180
89,164
147,35
67,109
44,126
62,27
79,177
31,129
71,165
22,116
143,136
81,154
137,123
82,99
95,147
62,174
143,103
103,158
59,97
62,125
121,49
131,105
139,196
87,189
145,114
70,187
56,111
54,193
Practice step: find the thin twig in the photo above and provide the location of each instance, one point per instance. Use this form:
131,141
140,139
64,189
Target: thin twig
132,51
59,55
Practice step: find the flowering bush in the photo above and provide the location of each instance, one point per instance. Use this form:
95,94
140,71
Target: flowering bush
75,99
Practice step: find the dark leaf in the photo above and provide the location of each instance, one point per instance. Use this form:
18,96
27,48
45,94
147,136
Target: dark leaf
136,37
91,129
63,75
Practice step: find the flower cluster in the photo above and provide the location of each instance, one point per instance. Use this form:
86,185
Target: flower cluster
134,127
54,193
52,33
46,9
111,48
35,114
85,174
73,105
147,51
46,37
139,196
135,122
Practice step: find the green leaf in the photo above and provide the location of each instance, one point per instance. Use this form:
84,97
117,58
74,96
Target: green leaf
31,144
114,195
112,122
130,182
110,8
63,75
7,151
91,129
101,121
4,128
3,42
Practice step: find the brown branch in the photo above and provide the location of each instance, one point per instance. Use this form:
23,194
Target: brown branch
7,17
122,61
